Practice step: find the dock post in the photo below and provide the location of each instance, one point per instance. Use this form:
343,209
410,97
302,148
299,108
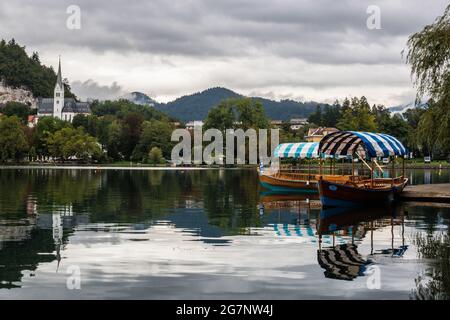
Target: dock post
371,237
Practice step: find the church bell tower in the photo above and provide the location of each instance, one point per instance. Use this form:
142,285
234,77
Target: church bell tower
58,98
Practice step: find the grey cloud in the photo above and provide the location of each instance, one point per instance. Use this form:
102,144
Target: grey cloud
405,97
275,96
323,31
90,89
279,48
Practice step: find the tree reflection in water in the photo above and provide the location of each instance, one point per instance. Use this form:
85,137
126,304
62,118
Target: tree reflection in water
41,208
434,282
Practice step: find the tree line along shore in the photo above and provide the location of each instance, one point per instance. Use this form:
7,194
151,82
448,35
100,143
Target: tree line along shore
123,131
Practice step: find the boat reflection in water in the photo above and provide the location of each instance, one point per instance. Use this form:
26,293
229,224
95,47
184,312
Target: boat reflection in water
343,261
337,232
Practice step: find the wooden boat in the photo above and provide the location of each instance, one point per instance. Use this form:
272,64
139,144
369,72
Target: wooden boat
360,193
288,182
355,190
282,180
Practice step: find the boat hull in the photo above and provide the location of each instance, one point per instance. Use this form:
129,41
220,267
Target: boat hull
339,195
285,185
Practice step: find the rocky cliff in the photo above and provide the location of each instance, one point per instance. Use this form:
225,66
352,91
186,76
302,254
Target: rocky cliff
24,96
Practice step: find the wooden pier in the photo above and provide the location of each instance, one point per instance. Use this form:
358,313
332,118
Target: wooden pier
427,193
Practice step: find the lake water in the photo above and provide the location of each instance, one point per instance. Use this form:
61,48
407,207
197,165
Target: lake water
209,234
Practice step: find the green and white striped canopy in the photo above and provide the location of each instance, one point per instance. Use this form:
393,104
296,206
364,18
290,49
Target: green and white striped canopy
302,150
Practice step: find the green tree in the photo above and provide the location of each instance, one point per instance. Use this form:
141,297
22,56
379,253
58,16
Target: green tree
155,156
69,142
113,140
326,116
13,142
221,117
88,122
244,113
80,120
412,117
331,115
316,117
130,133
103,125
357,116
46,126
18,109
121,108
154,134
251,114
17,69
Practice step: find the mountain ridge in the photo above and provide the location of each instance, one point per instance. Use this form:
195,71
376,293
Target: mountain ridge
197,105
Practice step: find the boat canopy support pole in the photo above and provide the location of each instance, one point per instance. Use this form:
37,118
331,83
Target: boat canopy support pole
403,167
372,174
363,161
353,166
309,170
379,167
393,171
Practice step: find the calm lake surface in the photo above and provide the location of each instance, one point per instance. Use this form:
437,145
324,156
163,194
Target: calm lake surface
209,234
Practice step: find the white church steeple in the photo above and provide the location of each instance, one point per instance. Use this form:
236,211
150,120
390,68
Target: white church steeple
58,102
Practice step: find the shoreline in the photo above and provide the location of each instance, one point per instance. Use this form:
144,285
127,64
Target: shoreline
193,167
106,167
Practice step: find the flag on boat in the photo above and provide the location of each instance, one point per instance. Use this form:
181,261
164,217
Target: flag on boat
347,143
302,150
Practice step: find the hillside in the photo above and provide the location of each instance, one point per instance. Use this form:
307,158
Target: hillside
197,105
18,70
139,98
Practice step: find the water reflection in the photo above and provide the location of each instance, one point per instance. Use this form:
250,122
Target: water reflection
339,255
213,224
343,261
433,283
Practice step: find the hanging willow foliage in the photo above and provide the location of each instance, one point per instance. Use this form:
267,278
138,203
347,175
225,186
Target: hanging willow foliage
429,57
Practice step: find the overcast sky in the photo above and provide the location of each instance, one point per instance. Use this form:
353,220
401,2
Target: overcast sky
318,50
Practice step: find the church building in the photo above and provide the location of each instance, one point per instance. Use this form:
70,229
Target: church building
60,107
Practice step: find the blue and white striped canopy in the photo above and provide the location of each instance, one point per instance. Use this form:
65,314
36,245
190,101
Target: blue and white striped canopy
349,142
300,150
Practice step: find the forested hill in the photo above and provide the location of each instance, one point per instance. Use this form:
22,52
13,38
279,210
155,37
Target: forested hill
197,105
17,70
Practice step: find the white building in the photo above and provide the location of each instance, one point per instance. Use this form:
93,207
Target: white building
60,107
297,124
192,124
